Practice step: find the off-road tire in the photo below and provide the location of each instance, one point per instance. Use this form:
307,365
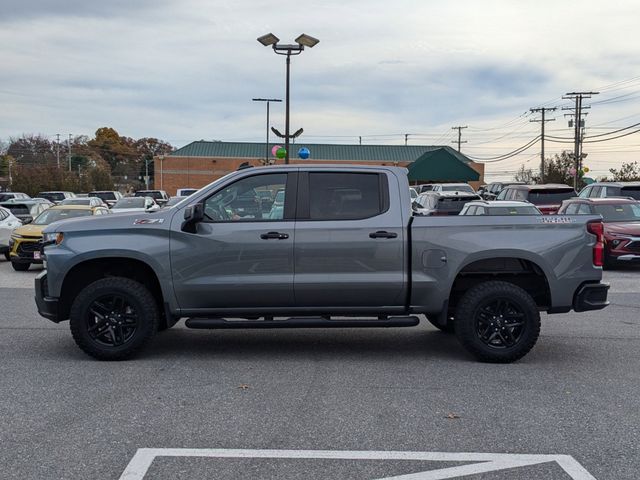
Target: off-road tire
470,313
20,267
447,328
135,294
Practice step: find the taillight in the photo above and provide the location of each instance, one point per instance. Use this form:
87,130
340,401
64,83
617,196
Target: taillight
597,228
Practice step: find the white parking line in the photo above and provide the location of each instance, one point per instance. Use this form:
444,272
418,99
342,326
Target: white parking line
485,462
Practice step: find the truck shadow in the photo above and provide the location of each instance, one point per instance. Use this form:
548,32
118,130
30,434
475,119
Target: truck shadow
410,343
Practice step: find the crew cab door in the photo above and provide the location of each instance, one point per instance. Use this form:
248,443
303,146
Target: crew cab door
238,257
349,248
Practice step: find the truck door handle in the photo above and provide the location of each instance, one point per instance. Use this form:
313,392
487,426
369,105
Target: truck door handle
383,234
274,235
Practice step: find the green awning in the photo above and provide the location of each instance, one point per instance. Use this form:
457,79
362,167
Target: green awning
441,166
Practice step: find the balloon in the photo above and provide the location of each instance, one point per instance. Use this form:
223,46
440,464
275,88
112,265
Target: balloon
585,169
274,150
281,153
304,153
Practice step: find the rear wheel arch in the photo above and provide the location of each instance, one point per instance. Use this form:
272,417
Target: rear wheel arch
522,272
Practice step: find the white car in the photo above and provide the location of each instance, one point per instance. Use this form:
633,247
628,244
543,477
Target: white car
8,222
135,204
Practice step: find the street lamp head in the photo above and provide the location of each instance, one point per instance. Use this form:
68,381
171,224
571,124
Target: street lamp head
307,40
268,39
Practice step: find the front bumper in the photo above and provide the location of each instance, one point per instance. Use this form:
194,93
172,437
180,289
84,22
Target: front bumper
24,251
47,306
591,296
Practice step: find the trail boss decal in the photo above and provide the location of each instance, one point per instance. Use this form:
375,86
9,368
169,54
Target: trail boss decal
556,219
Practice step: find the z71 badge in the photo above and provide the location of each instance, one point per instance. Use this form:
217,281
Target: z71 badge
148,221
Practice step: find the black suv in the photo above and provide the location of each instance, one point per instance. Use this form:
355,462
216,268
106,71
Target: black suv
611,189
492,190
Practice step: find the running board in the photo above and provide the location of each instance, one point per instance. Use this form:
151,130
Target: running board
301,322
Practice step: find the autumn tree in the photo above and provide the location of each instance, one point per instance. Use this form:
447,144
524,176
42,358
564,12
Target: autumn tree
526,175
628,172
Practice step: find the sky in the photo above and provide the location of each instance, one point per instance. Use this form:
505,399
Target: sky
187,70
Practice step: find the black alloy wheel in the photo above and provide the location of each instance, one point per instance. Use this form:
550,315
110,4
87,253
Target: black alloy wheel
500,323
111,320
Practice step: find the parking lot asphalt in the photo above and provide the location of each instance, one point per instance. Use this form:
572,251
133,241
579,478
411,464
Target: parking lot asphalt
66,416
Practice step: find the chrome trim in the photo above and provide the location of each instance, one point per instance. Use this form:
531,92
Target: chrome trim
628,258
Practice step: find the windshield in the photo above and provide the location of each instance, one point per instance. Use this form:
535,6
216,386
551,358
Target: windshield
633,192
103,195
550,197
4,197
51,196
514,211
77,201
152,194
413,193
130,202
50,216
625,212
457,188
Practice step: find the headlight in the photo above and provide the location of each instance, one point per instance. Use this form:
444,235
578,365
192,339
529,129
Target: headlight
53,238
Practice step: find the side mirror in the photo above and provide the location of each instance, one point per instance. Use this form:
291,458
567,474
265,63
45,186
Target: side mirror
27,220
192,215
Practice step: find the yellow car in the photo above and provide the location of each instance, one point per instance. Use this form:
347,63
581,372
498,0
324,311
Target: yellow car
25,244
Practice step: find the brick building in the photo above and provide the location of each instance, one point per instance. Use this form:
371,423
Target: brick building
199,163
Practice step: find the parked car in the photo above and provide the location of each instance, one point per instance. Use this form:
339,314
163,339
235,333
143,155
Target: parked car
185,192
546,197
135,204
88,201
110,197
56,197
621,217
173,201
443,203
6,196
452,187
611,189
345,246
8,223
277,207
492,190
414,193
424,188
26,210
159,196
25,243
497,207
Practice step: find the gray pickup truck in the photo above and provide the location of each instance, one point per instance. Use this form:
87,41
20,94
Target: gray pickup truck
338,246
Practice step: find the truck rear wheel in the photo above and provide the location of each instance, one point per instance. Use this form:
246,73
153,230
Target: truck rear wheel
113,318
497,322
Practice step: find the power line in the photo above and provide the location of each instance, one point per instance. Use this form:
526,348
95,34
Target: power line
505,156
459,141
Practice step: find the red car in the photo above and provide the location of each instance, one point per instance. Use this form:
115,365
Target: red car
547,197
621,217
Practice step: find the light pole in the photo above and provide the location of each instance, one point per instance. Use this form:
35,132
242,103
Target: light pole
266,148
304,40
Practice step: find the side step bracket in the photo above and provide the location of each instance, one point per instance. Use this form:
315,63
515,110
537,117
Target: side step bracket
302,322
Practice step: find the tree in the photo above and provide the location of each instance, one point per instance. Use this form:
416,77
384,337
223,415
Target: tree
628,172
526,175
558,169
32,150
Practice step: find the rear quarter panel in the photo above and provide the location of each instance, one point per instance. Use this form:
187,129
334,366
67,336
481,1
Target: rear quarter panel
563,251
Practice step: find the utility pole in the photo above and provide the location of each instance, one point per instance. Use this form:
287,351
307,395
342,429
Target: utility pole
69,150
360,140
542,121
459,141
58,149
578,122
406,139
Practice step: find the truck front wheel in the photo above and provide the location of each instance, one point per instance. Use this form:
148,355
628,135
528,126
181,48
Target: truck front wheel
113,318
497,322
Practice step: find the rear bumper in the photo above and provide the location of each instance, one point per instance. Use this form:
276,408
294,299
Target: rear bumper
591,296
47,306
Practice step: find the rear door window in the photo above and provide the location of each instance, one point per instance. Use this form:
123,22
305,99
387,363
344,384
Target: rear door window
550,197
345,196
633,192
595,192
